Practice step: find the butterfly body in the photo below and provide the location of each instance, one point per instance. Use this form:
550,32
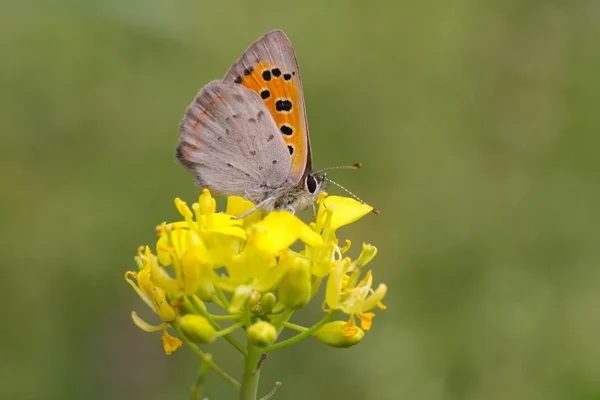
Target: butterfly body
246,135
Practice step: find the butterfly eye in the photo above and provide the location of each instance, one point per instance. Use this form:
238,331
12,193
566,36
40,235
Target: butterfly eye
311,183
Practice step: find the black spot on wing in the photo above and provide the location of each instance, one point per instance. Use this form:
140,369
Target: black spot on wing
248,71
276,72
252,152
287,77
271,137
286,130
251,120
265,94
283,105
266,75
291,149
238,79
274,162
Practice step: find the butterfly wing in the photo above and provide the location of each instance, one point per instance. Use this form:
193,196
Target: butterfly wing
269,68
229,140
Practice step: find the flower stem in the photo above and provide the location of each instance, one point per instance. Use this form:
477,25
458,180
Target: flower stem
249,389
303,335
199,385
205,358
295,327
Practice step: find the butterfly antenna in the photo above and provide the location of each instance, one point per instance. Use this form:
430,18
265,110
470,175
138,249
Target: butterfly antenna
375,211
353,166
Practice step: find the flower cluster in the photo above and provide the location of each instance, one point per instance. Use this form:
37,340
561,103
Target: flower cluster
247,268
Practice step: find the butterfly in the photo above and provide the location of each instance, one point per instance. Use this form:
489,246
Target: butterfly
246,135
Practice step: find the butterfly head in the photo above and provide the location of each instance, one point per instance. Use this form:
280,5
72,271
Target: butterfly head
302,195
315,183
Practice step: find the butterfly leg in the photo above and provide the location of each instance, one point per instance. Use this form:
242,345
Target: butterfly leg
255,208
290,209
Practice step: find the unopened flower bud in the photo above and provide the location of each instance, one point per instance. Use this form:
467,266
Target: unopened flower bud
206,291
197,328
334,334
254,299
295,287
267,302
262,333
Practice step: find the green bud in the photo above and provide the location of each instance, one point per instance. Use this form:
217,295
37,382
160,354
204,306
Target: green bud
267,302
197,328
334,334
254,299
262,333
206,291
295,287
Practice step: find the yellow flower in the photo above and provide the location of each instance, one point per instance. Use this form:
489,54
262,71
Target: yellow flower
344,292
240,264
152,295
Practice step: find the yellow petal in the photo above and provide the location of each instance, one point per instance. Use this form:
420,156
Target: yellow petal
170,343
347,210
163,251
143,325
366,320
372,301
335,283
276,232
237,206
310,237
224,224
321,258
366,255
161,278
129,276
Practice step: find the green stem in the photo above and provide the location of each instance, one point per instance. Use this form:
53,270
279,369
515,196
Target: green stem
295,327
229,317
249,389
281,318
199,385
205,358
229,329
303,335
221,296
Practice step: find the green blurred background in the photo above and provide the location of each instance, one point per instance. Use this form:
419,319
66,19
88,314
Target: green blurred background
478,124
